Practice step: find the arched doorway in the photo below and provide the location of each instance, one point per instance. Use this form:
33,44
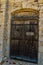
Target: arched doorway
24,35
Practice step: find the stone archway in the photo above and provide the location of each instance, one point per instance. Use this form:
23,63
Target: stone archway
24,34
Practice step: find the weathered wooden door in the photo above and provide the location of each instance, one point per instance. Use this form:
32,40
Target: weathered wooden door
24,41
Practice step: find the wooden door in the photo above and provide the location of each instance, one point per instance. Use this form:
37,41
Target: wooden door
24,41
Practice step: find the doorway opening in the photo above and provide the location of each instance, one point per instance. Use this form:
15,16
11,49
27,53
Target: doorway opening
24,38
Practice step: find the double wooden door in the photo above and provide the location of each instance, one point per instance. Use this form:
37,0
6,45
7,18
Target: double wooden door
24,41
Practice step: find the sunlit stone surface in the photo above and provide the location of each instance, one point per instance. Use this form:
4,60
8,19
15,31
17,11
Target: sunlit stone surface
5,28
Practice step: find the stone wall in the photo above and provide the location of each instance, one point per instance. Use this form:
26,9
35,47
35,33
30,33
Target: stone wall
41,33
5,25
